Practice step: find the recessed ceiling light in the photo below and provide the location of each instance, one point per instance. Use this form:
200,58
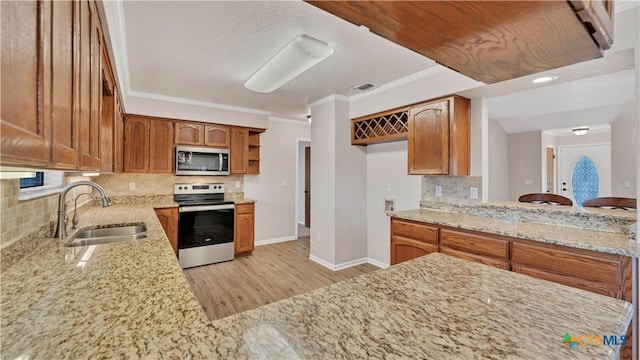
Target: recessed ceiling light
544,79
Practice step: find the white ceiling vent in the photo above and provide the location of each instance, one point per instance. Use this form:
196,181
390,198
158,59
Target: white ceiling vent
364,87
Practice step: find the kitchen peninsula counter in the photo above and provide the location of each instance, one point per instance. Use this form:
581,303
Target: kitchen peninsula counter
582,238
131,300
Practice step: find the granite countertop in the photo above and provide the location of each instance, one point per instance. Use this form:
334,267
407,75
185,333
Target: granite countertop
606,242
131,300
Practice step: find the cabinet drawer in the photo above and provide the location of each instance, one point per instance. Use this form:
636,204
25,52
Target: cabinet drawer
244,208
491,261
592,286
596,267
416,231
474,244
404,249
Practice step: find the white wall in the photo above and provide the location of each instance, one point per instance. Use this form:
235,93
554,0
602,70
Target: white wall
387,165
525,162
498,162
301,166
478,112
274,187
351,191
624,156
338,190
323,186
194,111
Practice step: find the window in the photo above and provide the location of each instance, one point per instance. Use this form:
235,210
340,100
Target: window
44,183
37,180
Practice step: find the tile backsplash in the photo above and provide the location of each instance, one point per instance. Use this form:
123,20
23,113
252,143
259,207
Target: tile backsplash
21,217
455,189
161,184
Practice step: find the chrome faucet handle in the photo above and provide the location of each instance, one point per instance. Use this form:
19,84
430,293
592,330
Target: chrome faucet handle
74,221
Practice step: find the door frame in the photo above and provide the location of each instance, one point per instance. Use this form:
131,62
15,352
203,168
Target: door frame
559,161
297,197
545,172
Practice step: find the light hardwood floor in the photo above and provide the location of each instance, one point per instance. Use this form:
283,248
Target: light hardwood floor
273,272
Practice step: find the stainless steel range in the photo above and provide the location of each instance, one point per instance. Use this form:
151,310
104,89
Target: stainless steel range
205,228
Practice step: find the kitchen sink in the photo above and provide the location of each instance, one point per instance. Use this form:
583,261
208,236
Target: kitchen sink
108,235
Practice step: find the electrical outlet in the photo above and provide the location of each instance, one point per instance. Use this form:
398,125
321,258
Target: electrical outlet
132,186
388,187
528,182
473,192
627,184
438,190
237,184
318,238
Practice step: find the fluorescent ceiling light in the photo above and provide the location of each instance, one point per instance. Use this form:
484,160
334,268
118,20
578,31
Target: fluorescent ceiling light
298,56
580,130
544,79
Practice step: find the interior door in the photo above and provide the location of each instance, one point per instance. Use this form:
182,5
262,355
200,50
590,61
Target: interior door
570,156
307,186
551,167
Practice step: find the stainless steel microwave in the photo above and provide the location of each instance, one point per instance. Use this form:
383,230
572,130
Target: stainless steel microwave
201,161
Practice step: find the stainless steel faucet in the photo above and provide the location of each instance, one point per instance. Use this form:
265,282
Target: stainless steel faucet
74,220
61,230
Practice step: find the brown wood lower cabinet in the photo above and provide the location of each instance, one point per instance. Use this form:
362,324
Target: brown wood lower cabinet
169,220
601,273
488,250
606,274
410,240
244,236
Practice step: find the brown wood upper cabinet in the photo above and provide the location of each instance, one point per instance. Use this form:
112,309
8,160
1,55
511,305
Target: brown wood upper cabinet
439,137
148,145
462,35
201,134
239,150
25,128
90,86
216,136
51,85
189,133
245,150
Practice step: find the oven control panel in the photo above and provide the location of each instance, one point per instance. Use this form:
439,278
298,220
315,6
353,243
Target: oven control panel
198,189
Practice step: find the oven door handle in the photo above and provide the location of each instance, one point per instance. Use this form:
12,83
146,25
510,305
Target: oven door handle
206,208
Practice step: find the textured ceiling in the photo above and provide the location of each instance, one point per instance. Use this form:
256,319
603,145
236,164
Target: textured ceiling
205,51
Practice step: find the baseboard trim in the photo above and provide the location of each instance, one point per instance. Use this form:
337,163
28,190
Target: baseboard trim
348,264
322,262
377,263
275,241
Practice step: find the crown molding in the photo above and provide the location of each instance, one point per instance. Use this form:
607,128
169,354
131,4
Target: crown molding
289,121
208,104
326,99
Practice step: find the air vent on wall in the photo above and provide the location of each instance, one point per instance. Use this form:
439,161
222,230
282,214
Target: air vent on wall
364,87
